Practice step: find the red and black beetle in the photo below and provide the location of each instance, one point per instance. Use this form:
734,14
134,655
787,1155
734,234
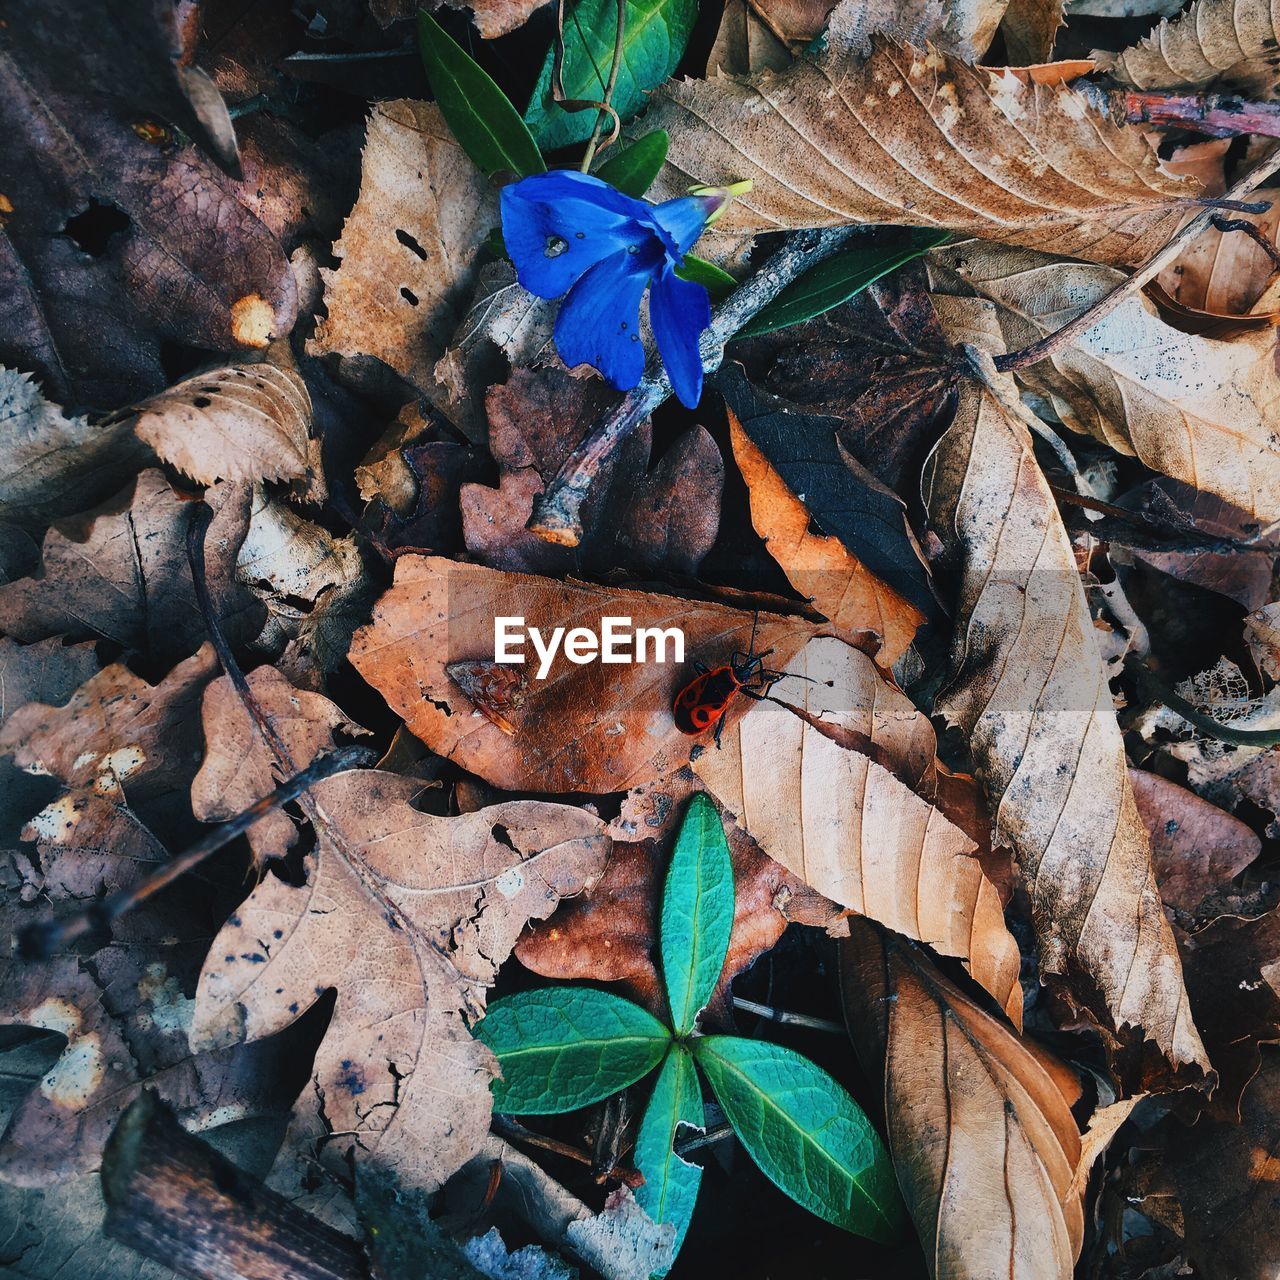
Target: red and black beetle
704,700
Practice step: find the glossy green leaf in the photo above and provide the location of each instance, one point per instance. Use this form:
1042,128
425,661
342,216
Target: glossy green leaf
565,1047
634,168
670,1188
805,1132
836,280
697,913
488,128
718,283
654,40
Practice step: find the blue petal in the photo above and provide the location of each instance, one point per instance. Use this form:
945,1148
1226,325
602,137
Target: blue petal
599,322
679,311
558,225
684,220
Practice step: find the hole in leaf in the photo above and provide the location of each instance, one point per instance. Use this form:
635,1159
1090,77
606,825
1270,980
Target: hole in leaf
93,228
409,296
410,243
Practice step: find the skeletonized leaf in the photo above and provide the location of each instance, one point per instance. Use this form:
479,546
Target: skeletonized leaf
241,422
1200,410
1226,43
982,1136
922,139
805,775
1030,691
408,916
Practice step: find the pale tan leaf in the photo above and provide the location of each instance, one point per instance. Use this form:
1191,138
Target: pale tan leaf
408,916
793,775
238,766
408,249
983,1140
1030,27
1195,408
240,422
919,138
1224,43
1030,691
589,728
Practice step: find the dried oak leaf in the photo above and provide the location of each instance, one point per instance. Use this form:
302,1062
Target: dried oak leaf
1030,692
1200,410
664,520
240,422
408,249
238,765
408,916
802,774
860,608
1229,44
125,1011
121,573
983,1139
493,18
922,139
592,728
53,465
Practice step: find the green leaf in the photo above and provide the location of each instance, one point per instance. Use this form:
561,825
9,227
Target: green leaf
670,1188
805,1132
834,281
653,42
634,168
719,284
488,128
565,1047
697,913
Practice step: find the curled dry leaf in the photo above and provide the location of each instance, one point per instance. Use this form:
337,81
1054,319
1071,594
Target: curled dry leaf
237,767
800,775
121,573
922,139
408,916
493,18
591,728
54,465
1030,691
407,251
1229,44
982,1135
1200,410
241,422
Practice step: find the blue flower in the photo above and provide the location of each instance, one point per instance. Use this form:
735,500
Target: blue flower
570,233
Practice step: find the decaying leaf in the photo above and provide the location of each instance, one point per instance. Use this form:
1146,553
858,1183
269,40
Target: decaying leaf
1197,409
981,1132
408,916
240,422
53,465
590,728
493,18
407,251
238,766
919,138
796,777
1030,691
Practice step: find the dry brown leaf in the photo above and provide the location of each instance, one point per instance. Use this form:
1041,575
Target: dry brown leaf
240,422
794,775
1197,409
408,916
121,573
1030,692
1030,27
237,767
1230,44
858,605
923,139
408,248
591,728
493,18
982,1137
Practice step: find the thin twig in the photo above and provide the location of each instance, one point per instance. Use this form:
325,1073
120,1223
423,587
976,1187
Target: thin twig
1217,115
1152,687
1058,341
47,938
789,1019
717,1133
510,1129
594,143
555,515
557,78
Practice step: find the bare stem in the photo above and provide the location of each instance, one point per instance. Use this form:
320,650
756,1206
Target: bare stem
595,144
786,1018
555,515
